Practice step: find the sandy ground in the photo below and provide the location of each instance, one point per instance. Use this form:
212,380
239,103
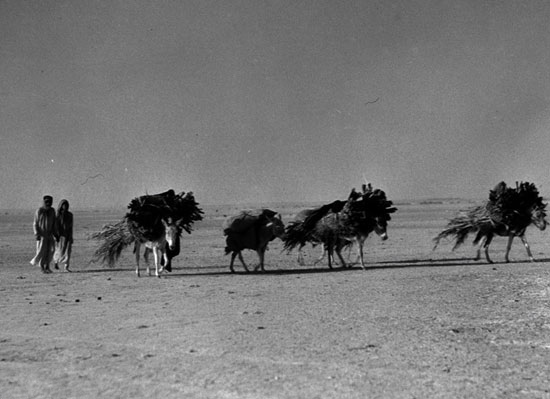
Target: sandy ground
415,324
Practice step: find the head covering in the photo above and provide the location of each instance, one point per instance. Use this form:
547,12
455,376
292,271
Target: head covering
48,200
60,206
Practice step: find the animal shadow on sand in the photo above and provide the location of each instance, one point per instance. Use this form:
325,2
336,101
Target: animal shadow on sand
445,263
221,270
102,270
270,272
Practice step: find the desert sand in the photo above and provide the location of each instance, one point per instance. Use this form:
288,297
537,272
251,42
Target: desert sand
417,323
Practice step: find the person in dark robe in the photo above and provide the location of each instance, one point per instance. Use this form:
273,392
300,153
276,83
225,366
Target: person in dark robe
44,232
63,236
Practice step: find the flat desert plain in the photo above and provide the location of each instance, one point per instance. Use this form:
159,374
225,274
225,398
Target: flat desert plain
417,323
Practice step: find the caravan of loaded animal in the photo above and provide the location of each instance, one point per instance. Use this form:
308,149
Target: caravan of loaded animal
507,213
337,225
342,223
252,230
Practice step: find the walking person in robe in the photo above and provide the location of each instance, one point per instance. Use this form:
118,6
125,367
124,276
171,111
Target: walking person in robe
44,231
63,236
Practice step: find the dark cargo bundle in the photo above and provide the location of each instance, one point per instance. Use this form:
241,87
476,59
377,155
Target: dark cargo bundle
246,220
147,212
371,202
513,206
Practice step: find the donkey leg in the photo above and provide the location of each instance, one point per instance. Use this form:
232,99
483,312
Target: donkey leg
357,257
233,256
146,259
242,261
527,248
324,250
360,243
300,259
156,256
136,251
261,255
339,253
487,255
146,254
484,242
478,253
163,261
488,240
508,247
480,244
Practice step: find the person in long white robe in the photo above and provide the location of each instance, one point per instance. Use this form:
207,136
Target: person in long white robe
44,232
63,236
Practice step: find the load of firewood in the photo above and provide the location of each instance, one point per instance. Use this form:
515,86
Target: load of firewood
513,206
373,202
147,212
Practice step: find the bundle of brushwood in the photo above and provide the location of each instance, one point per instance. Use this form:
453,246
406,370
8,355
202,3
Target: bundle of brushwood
371,202
144,223
513,206
147,212
113,239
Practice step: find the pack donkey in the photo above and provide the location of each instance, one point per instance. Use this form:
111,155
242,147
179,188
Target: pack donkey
342,223
507,213
251,230
160,247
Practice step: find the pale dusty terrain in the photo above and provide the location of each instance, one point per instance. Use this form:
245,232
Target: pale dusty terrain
416,324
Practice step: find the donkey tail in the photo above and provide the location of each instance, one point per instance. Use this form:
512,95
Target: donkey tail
114,238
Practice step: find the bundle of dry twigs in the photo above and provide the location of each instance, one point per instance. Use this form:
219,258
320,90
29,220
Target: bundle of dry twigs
513,206
147,212
114,238
464,223
371,202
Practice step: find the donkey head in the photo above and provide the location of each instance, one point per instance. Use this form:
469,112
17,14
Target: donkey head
171,232
380,226
276,225
375,209
538,216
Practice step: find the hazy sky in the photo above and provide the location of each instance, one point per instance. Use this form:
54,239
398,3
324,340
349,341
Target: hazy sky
257,101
